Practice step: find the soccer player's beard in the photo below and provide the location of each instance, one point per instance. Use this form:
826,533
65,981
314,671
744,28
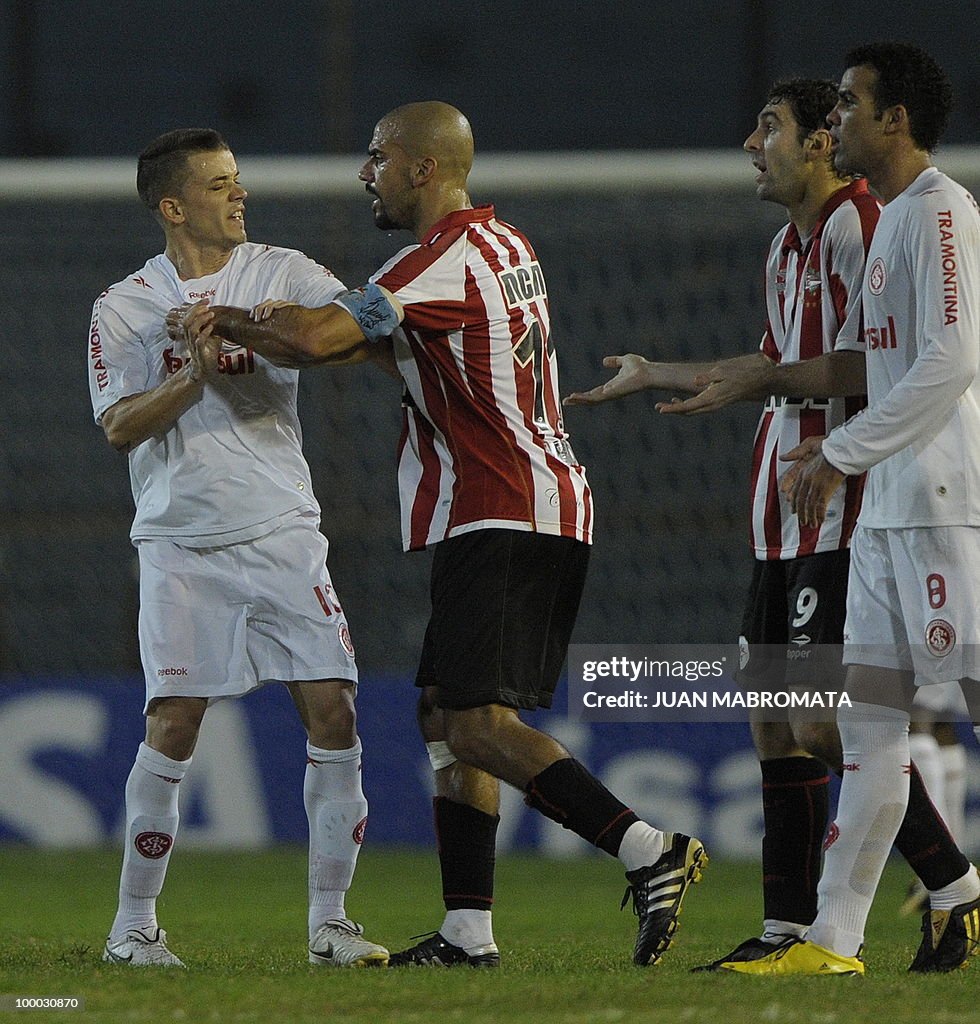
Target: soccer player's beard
383,220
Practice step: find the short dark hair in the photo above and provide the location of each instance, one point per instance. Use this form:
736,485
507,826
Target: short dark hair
162,167
810,99
909,76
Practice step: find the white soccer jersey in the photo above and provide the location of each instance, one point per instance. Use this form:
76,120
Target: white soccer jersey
483,443
920,435
232,465
813,293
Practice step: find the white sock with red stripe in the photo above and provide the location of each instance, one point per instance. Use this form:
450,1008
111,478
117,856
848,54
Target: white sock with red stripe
151,827
873,797
337,813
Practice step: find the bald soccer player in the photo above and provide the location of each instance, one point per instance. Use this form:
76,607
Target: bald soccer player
488,478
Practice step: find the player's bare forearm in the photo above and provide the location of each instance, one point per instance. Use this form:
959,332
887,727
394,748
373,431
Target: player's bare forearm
136,418
294,335
834,374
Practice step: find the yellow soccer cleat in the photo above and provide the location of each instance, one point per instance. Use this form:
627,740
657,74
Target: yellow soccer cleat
799,957
949,939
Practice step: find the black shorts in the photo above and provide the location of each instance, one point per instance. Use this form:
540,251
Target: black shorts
503,606
795,606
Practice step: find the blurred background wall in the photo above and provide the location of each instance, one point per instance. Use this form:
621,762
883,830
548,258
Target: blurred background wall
81,77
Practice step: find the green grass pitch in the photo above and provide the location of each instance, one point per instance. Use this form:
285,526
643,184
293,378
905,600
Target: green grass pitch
238,920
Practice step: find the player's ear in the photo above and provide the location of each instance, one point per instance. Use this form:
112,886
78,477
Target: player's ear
819,144
895,119
424,170
170,210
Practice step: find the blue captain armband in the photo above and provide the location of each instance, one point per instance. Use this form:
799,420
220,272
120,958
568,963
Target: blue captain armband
371,308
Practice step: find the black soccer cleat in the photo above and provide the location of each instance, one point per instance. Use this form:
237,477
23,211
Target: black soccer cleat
658,892
949,939
750,949
435,951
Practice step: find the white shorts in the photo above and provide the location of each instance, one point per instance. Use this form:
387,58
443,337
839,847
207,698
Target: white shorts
913,601
219,622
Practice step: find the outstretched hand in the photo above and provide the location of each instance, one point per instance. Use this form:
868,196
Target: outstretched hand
630,378
810,482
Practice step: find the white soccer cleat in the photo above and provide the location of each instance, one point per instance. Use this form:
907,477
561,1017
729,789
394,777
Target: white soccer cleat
141,949
339,943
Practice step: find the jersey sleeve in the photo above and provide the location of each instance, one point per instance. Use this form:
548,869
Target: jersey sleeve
430,283
844,253
117,360
308,283
947,343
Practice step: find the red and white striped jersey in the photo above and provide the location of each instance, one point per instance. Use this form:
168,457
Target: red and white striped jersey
813,303
483,444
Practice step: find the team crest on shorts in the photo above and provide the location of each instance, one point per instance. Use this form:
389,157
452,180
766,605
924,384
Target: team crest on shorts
344,633
153,845
940,637
876,277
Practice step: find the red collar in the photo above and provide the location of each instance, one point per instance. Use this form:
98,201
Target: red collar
458,219
842,195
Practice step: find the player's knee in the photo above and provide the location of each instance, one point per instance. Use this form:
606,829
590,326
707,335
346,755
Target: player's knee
773,740
821,739
332,717
469,734
173,724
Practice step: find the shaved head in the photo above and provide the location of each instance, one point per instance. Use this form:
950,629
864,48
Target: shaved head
432,129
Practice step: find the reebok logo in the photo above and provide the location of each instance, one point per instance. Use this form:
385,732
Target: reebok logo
171,671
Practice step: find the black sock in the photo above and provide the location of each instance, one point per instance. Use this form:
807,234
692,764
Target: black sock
568,793
795,809
466,839
925,842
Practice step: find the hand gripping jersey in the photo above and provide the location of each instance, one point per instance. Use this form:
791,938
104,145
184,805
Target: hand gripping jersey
483,444
919,438
232,465
813,293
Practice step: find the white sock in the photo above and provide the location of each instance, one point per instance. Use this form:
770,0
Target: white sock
774,930
641,846
151,827
954,787
873,797
337,813
470,929
926,754
964,890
